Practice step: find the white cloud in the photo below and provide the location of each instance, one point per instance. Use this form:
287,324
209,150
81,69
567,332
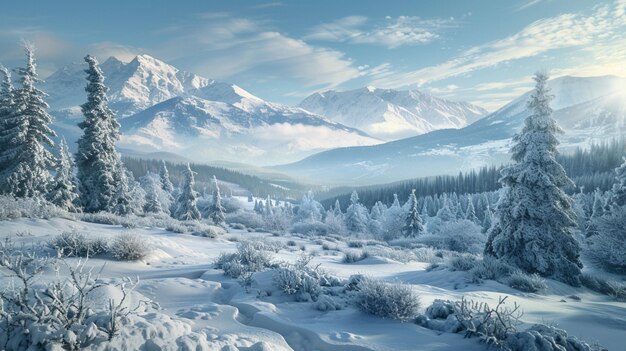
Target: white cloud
602,27
393,32
229,46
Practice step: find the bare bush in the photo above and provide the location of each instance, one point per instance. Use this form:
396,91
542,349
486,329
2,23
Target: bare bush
491,325
56,315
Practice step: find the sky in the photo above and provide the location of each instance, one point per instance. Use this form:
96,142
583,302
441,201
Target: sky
479,51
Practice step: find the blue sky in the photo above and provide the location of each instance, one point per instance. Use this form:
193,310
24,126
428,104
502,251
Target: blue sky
480,51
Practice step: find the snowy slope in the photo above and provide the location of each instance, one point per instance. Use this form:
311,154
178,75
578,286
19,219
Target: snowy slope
392,114
588,109
202,309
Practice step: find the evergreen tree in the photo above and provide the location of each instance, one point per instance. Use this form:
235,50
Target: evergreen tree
216,210
7,110
166,183
444,213
268,211
534,218
413,225
618,192
470,214
63,189
337,209
598,204
487,220
356,215
97,160
186,208
26,159
122,202
153,203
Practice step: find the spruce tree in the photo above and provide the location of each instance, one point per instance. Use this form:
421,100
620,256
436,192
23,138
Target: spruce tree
356,215
166,183
217,210
7,109
534,218
186,209
413,225
97,160
470,214
618,192
27,159
153,204
122,201
487,220
63,189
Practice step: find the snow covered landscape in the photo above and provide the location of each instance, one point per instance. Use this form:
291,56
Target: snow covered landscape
148,201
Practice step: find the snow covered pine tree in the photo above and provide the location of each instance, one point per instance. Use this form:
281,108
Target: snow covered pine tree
534,219
216,210
26,136
413,225
186,208
97,160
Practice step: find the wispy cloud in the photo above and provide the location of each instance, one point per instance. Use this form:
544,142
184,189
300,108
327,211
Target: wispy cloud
392,32
527,4
568,30
228,46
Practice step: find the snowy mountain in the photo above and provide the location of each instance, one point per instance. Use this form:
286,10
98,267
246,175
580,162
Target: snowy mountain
246,130
392,114
133,86
588,109
162,108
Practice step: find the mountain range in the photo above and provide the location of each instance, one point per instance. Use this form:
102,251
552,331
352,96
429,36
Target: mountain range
164,109
392,114
589,109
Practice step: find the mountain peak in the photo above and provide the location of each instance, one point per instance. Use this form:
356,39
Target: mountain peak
391,114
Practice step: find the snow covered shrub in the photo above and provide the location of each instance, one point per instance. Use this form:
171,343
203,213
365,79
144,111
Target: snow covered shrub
491,268
459,236
327,303
526,282
354,256
541,337
463,262
130,247
613,289
427,254
491,325
209,231
75,244
56,315
251,256
310,228
238,226
440,316
101,218
299,280
356,243
11,208
387,300
608,247
249,219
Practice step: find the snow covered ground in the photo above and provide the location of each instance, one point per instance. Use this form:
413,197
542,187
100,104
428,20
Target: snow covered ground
203,309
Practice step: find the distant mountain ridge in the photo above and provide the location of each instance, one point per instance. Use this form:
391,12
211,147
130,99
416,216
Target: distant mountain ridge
587,108
392,114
